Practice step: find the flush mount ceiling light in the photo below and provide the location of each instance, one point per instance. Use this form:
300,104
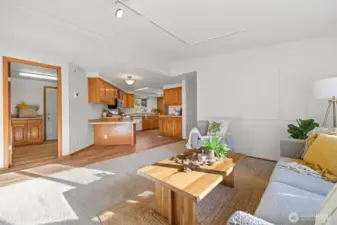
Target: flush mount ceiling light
129,80
39,76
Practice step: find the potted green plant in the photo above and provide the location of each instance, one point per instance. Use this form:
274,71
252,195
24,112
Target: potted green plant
301,130
298,133
214,147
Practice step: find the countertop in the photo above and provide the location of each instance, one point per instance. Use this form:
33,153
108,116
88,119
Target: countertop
169,116
140,114
98,121
28,118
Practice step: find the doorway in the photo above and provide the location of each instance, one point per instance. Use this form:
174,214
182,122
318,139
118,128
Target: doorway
24,96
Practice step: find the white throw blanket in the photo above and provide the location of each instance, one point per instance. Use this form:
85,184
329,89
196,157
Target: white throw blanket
297,167
193,131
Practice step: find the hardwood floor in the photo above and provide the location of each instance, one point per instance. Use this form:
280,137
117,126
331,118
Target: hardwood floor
35,156
31,154
251,179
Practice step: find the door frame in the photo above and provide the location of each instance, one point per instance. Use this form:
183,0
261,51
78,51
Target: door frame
7,107
45,109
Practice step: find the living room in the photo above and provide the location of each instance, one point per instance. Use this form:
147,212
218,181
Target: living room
253,68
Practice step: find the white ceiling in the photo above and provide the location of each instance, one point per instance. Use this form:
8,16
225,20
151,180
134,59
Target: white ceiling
86,32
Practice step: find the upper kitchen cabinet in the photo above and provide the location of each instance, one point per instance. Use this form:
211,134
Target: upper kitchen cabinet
173,96
100,91
161,105
130,101
125,99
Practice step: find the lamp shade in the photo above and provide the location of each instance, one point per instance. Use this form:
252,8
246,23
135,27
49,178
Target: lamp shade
325,88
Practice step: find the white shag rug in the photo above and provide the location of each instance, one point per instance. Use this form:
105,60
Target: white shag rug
77,195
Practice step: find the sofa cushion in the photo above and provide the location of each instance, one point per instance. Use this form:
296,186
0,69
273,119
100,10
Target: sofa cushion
281,202
302,181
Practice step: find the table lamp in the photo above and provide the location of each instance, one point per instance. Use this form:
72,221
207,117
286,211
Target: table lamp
327,89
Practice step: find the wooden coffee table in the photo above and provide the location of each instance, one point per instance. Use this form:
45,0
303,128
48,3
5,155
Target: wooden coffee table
178,192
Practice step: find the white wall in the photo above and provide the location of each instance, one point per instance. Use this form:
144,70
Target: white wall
28,91
262,90
81,133
152,103
190,112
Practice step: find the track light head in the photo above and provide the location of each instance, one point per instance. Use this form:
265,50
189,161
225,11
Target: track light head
119,13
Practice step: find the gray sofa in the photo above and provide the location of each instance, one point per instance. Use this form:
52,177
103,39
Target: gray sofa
202,127
290,198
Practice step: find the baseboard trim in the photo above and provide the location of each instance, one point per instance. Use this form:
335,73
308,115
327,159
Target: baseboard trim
269,160
78,151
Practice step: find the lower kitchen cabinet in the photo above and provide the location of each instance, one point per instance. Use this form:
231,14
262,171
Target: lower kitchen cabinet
170,126
150,123
26,132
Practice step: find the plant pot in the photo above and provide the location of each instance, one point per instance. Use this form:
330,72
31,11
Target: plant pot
211,155
104,114
292,148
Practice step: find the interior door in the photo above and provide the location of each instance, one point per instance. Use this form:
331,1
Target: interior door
52,115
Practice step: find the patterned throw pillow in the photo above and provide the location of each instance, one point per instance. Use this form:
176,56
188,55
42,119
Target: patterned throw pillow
222,125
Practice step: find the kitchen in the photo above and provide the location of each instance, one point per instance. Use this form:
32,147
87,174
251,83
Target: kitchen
127,114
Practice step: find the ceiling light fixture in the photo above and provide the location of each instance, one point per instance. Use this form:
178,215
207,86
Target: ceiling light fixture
119,13
39,76
129,80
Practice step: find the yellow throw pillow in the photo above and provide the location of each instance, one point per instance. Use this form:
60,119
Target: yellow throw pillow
322,153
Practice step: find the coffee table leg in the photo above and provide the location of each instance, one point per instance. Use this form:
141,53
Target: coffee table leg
178,209
228,180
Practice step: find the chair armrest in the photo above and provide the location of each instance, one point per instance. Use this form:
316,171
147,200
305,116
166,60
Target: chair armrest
242,218
292,148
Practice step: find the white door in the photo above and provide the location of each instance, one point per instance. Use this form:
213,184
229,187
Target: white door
51,114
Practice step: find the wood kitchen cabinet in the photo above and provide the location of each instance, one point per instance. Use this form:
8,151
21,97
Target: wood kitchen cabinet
100,91
125,99
130,101
161,105
170,126
150,122
26,132
173,96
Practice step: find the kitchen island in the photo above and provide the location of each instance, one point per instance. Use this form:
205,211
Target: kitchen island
111,132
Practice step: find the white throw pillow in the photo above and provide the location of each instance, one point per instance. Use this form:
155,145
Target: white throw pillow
327,214
223,128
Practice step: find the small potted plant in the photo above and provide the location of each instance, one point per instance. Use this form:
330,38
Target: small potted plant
299,133
215,148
